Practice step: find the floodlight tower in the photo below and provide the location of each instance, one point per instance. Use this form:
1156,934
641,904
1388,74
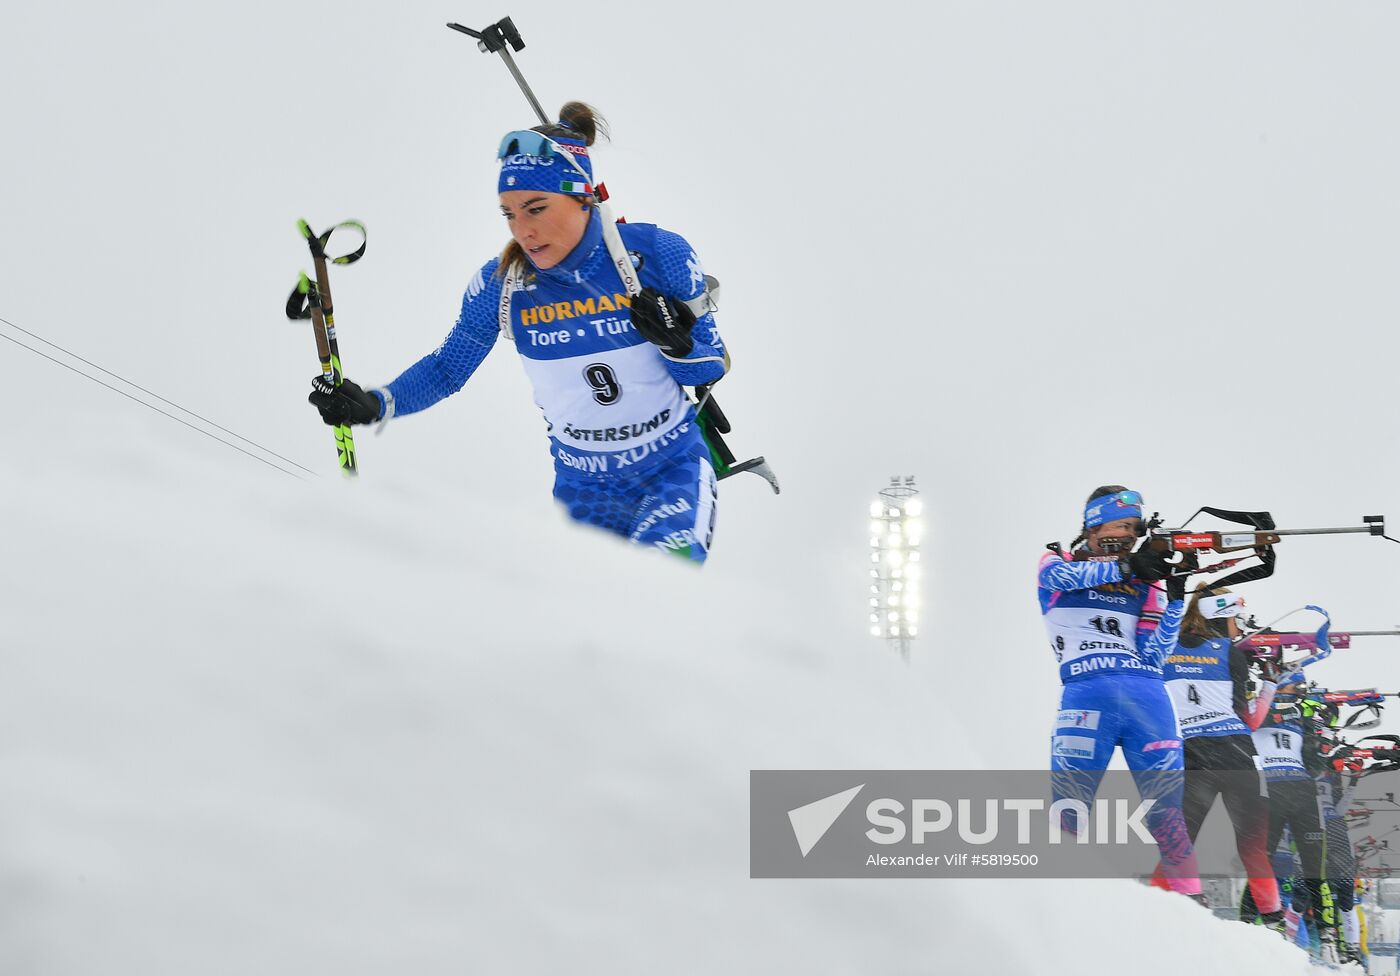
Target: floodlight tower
896,531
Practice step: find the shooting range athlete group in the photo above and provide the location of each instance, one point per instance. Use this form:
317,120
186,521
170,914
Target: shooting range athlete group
1204,702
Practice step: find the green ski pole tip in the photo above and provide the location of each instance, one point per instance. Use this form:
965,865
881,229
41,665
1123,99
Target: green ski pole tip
303,284
305,229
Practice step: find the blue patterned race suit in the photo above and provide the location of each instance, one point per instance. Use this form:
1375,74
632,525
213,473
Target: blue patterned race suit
1110,637
629,456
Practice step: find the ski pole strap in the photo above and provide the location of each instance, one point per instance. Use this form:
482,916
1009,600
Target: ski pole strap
299,301
305,299
319,243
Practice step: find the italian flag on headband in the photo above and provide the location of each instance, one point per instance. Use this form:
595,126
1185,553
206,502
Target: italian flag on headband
565,186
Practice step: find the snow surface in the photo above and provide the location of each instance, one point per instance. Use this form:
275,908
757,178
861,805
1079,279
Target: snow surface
227,749
250,724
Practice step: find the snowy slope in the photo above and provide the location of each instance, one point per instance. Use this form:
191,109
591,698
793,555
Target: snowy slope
256,725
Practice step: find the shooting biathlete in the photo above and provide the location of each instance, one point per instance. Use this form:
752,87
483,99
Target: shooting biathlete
607,368
1287,744
1346,765
1208,678
1336,788
1310,736
1111,622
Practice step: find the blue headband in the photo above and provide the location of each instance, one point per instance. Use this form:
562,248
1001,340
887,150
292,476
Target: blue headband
533,161
1111,508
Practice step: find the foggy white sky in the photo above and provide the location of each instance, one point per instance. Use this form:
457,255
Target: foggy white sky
1016,249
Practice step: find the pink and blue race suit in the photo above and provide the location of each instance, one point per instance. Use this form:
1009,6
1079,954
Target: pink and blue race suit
1110,636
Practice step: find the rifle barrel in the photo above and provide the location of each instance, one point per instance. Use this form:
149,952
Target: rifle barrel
1340,530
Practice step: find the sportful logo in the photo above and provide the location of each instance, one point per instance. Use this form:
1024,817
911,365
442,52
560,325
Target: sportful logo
811,822
664,510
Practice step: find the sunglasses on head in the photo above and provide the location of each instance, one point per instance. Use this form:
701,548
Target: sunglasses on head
528,142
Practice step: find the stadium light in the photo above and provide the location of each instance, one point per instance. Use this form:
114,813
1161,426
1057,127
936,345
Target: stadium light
896,533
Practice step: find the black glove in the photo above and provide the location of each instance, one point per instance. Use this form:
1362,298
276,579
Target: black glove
664,322
1145,564
1176,587
343,404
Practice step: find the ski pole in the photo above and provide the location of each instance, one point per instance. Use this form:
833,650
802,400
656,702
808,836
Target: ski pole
312,299
305,303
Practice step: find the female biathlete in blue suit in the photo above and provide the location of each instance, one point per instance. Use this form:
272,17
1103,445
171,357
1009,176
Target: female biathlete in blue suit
1110,625
607,368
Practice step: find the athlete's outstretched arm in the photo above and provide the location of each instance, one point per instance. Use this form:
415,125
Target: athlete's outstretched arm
1155,644
443,371
1252,711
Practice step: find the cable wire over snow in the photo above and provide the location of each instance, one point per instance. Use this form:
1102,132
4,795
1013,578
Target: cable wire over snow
152,406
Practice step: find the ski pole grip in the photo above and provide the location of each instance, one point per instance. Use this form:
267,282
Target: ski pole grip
1376,522
317,249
